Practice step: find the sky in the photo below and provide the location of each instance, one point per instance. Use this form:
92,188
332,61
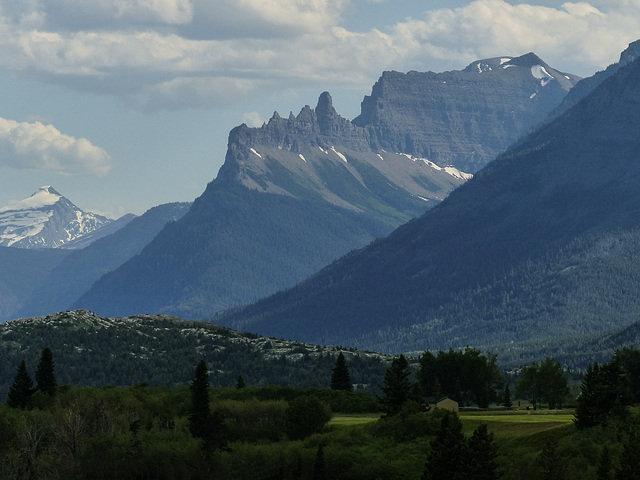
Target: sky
122,105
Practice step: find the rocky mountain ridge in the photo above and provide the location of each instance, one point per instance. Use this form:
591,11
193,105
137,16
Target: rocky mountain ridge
541,242
463,118
46,220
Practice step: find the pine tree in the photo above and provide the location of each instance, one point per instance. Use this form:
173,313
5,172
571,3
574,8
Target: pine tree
240,383
507,397
319,466
21,389
552,464
482,455
340,378
397,387
199,413
604,465
45,373
447,458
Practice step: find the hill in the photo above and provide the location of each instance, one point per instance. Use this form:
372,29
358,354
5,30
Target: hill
161,350
541,243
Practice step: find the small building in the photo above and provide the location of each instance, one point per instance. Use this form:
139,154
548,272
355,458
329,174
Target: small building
444,403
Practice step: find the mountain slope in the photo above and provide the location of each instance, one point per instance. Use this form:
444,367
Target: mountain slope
21,270
55,290
542,242
46,220
462,118
291,197
303,190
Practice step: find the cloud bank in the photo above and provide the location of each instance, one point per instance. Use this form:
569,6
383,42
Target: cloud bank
170,54
42,147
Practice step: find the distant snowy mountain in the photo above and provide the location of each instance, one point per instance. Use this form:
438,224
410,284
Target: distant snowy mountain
46,220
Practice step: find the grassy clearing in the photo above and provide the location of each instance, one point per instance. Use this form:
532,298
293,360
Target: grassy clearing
518,423
345,420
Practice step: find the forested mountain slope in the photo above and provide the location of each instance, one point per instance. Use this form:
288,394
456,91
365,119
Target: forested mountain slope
543,242
302,190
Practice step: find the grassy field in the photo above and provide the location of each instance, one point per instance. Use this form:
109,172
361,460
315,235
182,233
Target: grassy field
517,423
505,424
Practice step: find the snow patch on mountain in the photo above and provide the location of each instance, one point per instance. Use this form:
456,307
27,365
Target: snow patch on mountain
539,72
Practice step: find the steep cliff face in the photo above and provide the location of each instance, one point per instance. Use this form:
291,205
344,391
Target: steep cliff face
318,154
462,118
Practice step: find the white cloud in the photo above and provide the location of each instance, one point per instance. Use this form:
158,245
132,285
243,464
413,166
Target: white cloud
253,119
188,53
42,147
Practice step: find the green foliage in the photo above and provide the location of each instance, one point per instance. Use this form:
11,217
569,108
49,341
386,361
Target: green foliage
305,416
199,412
448,453
607,390
543,382
340,378
45,373
21,389
467,376
397,388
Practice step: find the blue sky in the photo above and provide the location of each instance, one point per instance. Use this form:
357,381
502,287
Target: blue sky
122,105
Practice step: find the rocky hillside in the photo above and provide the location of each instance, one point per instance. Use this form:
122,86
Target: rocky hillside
90,350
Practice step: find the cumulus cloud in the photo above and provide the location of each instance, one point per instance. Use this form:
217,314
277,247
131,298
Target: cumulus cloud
43,147
183,53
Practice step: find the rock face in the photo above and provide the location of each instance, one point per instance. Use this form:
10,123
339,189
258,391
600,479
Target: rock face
462,118
46,220
542,243
303,190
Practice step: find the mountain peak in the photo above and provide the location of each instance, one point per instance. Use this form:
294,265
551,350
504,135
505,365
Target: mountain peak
44,220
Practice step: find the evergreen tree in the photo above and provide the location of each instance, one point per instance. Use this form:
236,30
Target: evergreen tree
447,458
340,378
604,465
21,389
588,412
397,386
482,455
199,412
319,466
551,463
552,383
240,383
45,373
507,397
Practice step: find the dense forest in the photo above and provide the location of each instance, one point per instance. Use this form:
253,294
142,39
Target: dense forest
52,431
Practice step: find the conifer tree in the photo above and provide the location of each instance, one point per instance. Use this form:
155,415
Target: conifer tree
507,397
45,373
447,458
482,455
397,387
199,412
21,389
319,466
340,378
553,466
603,471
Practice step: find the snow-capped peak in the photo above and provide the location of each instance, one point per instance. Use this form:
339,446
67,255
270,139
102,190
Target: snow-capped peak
45,220
43,197
539,72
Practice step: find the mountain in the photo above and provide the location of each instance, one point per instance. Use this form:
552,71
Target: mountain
462,118
291,197
161,350
56,288
541,243
21,270
46,220
300,191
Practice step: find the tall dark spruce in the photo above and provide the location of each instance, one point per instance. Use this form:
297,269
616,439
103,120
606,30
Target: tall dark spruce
340,378
21,389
